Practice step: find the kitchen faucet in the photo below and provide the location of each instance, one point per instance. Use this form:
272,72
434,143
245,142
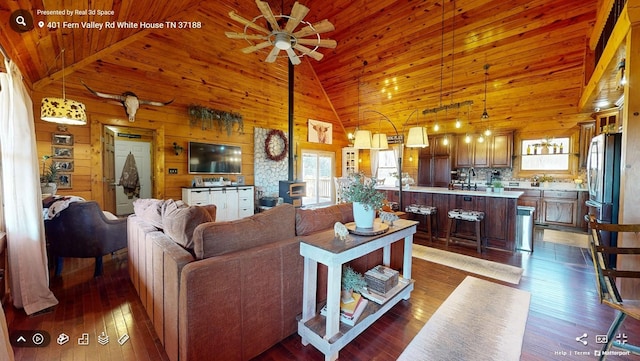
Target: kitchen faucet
472,172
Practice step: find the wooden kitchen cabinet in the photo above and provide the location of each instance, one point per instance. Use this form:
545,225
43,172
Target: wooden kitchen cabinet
502,150
560,208
434,163
532,198
464,153
495,151
607,121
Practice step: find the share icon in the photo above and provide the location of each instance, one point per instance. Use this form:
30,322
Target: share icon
582,339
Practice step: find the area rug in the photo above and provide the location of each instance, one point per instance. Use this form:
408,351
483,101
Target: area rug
480,320
567,238
495,270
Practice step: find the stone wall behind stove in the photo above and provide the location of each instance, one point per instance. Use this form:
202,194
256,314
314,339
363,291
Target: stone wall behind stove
268,173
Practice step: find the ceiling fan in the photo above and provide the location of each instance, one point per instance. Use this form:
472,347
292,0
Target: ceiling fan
280,33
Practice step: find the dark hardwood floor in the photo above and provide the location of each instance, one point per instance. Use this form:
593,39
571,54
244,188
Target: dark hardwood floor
564,305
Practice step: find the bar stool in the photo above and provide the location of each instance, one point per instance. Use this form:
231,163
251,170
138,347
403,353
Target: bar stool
428,212
468,216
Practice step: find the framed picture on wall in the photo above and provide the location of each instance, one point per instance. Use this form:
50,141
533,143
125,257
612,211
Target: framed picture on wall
64,166
320,132
64,181
62,152
62,139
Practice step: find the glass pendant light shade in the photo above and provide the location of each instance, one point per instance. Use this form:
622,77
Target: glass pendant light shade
362,139
379,141
63,111
417,137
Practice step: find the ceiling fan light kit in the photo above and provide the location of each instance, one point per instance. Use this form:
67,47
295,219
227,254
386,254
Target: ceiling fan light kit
294,43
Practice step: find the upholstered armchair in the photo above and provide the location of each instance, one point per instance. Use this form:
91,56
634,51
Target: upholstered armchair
83,231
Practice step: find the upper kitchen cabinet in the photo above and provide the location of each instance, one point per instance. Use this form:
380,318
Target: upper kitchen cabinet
495,151
608,121
502,150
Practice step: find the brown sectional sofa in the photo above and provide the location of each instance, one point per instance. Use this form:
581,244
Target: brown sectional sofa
238,290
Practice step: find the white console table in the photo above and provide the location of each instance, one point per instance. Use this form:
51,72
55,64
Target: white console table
327,334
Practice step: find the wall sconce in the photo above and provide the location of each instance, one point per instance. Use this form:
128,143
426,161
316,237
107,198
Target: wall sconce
177,148
621,79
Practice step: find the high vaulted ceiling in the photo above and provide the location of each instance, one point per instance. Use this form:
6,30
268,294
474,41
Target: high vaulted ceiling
535,50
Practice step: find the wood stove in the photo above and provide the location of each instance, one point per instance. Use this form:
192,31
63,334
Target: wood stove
292,192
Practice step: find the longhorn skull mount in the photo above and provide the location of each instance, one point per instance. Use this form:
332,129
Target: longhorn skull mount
129,100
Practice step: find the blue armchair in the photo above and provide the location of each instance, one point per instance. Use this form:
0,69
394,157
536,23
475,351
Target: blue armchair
83,231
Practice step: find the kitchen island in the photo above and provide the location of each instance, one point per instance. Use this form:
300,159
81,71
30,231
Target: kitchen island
498,226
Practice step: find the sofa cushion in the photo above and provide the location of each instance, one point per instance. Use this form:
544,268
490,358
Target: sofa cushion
218,238
179,222
310,221
150,210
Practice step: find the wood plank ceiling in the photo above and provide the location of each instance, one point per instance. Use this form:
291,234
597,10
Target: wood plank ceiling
431,57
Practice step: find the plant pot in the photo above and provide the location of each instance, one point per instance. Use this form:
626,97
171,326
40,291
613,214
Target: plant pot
346,296
363,218
48,188
498,189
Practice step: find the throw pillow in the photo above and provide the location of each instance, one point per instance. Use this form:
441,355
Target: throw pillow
179,221
149,210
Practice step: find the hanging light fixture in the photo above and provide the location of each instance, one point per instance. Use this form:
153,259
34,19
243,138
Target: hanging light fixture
362,138
485,115
379,140
63,110
417,137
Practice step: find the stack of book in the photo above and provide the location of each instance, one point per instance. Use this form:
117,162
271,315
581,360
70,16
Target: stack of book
350,312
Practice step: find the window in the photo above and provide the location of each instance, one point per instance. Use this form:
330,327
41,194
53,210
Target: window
545,154
317,173
387,167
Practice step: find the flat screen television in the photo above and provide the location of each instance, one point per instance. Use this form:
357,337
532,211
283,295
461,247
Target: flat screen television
206,158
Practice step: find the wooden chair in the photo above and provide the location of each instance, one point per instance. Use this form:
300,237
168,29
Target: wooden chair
605,280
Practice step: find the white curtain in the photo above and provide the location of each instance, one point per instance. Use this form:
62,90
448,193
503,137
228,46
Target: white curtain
28,271
375,159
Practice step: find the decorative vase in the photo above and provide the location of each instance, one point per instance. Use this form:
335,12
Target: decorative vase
48,188
363,218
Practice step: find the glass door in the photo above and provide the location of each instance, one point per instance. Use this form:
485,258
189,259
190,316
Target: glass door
317,173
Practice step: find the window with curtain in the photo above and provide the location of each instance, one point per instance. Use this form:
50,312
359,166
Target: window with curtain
387,167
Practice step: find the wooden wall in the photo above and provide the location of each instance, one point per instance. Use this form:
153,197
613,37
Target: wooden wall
172,123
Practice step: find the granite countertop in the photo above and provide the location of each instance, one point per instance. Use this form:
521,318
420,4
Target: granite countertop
457,191
552,186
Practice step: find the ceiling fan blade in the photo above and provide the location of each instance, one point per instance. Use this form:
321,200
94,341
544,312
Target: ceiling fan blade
232,35
247,23
309,52
297,14
318,28
251,49
265,9
295,60
324,43
273,55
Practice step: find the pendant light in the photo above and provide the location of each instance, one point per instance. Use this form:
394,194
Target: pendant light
417,137
379,140
63,110
485,115
362,138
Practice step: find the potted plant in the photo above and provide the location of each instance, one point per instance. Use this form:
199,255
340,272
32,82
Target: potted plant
365,198
498,187
49,177
352,281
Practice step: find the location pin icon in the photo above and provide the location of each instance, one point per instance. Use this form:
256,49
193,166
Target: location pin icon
40,24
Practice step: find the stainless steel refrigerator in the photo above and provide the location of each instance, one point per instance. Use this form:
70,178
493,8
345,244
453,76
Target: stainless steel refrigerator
603,182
